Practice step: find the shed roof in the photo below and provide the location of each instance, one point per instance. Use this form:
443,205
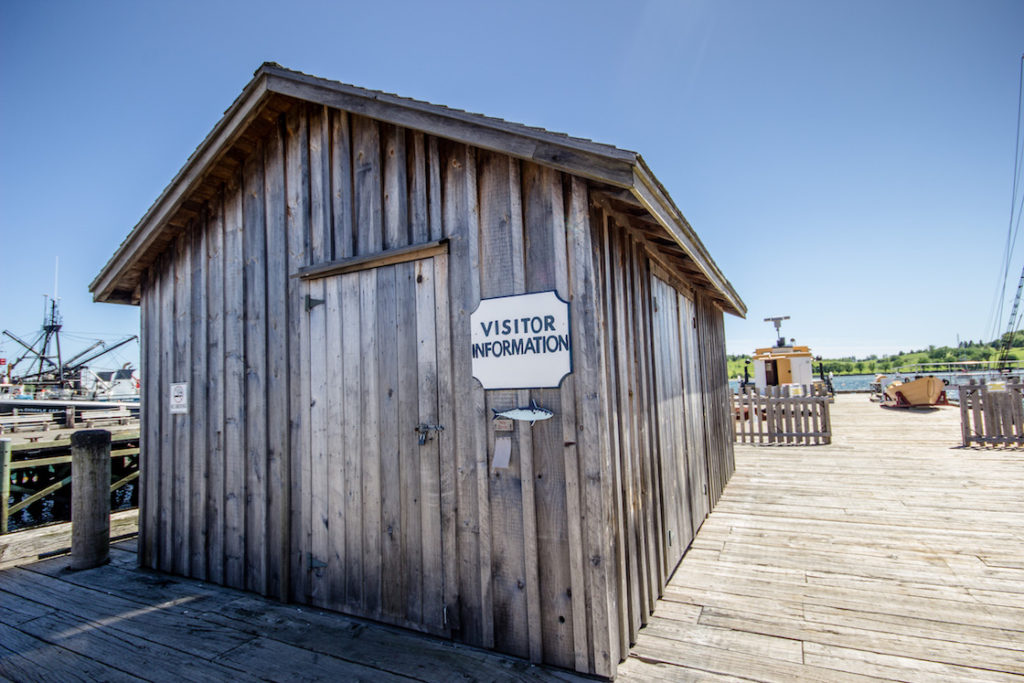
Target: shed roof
624,173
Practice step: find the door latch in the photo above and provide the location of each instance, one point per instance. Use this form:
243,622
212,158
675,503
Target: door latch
424,431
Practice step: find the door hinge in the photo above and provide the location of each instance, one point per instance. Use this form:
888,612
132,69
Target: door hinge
670,537
444,616
311,302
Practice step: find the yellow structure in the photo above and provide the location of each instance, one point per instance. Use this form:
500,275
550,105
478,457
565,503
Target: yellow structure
778,365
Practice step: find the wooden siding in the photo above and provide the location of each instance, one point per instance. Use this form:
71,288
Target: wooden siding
559,557
717,398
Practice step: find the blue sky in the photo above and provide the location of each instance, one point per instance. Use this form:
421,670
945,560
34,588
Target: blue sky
846,163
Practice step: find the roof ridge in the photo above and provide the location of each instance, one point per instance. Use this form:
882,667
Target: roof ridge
383,95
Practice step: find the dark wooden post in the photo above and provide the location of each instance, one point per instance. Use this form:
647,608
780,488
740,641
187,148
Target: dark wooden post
5,484
90,498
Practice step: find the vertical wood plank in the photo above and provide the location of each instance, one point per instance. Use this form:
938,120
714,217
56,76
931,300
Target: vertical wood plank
320,250
318,448
336,560
149,470
234,392
641,299
182,429
460,228
254,247
508,576
638,450
543,224
595,532
523,440
296,150
430,522
320,187
341,184
197,410
396,197
447,470
353,436
419,220
409,601
278,482
434,204
612,429
370,447
582,429
390,390
166,481
215,394
367,181
479,423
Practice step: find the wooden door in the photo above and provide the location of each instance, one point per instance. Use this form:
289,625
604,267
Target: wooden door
671,421
695,441
379,368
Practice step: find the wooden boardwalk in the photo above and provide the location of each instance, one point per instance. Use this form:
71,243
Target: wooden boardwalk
890,554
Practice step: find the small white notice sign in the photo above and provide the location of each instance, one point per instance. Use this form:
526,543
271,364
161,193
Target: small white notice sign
521,342
179,398
795,390
502,453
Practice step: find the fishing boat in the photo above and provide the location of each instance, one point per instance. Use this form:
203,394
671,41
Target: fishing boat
44,372
920,392
785,364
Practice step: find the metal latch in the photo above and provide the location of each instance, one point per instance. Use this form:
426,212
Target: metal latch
424,431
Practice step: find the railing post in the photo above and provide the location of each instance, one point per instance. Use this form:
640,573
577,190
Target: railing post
90,498
5,485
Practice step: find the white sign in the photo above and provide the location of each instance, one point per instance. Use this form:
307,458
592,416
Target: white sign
179,398
521,342
795,390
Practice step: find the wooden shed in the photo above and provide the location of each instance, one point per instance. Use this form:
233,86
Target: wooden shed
312,427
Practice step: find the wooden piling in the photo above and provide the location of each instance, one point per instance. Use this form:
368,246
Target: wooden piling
90,498
5,482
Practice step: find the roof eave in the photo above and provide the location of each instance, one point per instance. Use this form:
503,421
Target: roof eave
231,125
652,195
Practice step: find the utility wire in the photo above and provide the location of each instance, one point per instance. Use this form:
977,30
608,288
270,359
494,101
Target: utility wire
1014,226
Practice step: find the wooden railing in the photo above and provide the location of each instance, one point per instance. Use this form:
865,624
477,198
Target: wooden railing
992,412
70,417
32,471
776,417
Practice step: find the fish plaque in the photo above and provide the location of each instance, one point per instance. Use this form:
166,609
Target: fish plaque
521,342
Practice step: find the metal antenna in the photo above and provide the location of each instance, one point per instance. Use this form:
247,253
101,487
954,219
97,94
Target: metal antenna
778,327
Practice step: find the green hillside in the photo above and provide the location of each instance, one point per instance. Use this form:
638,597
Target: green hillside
967,351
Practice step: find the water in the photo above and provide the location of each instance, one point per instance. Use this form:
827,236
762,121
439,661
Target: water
862,383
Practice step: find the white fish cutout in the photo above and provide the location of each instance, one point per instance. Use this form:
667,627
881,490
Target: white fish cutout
530,414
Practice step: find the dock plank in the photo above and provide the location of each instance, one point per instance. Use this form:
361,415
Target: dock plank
20,660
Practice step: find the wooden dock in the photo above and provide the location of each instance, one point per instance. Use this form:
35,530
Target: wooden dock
890,554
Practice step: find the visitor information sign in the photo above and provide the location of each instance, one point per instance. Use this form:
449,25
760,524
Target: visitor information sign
521,342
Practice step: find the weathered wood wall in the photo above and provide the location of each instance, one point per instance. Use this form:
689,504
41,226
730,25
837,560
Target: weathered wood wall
559,557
